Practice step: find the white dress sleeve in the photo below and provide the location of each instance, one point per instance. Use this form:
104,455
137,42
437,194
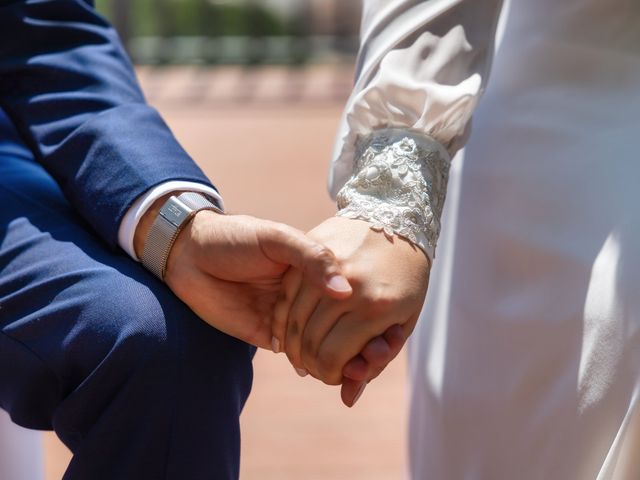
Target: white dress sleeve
421,69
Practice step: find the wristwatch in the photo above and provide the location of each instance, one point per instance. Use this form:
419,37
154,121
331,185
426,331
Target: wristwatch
174,215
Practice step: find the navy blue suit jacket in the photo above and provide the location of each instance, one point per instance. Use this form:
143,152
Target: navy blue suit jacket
70,90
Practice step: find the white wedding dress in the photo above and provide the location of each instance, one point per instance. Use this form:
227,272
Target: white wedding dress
21,456
525,364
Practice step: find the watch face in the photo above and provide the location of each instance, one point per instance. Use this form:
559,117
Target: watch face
174,212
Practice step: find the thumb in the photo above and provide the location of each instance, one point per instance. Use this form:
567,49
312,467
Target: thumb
287,245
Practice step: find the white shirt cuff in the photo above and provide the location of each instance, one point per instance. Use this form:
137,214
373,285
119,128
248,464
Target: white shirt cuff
129,223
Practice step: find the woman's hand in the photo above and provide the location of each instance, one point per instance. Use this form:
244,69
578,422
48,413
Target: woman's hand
389,279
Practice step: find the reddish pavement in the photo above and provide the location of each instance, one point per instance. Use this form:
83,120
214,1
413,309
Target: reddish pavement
269,158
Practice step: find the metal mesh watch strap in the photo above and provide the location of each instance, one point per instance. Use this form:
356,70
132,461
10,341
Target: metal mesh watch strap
173,216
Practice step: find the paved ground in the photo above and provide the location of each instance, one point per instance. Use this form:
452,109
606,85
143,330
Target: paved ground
269,158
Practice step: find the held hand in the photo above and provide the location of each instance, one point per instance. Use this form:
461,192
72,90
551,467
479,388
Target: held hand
370,363
228,269
389,278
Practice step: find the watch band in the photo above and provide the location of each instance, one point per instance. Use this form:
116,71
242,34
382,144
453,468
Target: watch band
174,215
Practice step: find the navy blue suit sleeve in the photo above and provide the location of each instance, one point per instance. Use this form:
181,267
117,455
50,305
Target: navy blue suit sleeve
71,92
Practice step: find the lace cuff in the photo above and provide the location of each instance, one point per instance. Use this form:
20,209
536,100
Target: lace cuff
399,185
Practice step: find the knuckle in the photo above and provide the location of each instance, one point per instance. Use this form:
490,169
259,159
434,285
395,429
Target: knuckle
381,303
321,254
308,346
278,232
329,368
293,359
309,363
293,329
281,230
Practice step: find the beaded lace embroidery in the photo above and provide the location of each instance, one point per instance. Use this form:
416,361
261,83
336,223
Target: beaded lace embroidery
399,185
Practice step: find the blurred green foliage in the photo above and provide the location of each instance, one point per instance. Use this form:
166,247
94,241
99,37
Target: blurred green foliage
207,31
170,18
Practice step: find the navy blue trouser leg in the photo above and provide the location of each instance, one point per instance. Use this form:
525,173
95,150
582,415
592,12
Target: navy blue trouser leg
96,348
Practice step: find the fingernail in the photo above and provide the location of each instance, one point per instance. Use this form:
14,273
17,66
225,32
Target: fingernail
359,394
275,345
339,283
302,372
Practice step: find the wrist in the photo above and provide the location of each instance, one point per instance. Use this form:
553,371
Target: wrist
146,221
185,249
398,186
162,226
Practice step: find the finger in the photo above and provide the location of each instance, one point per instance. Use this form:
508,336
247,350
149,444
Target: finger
377,351
370,363
335,350
284,244
381,350
356,369
347,338
302,307
291,283
326,314
376,355
395,337
213,301
351,391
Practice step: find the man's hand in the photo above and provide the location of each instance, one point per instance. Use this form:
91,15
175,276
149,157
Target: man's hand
321,335
228,269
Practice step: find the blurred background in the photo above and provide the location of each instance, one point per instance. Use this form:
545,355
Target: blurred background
241,50
254,90
244,32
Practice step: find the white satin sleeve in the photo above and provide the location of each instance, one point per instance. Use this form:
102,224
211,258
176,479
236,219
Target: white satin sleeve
421,69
